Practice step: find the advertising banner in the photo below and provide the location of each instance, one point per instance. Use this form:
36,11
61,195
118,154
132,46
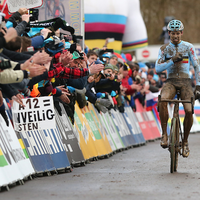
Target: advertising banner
56,148
148,124
69,139
99,142
113,131
14,5
100,127
135,125
120,128
131,128
36,124
153,124
107,131
144,126
14,165
79,133
86,131
123,129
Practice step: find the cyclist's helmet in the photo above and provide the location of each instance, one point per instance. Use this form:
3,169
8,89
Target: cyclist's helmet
175,25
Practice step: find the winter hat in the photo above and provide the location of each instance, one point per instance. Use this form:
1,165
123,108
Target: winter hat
109,66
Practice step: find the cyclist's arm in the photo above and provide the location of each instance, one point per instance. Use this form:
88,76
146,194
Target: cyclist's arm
195,63
161,64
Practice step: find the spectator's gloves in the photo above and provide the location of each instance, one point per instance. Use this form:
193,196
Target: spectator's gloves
26,92
103,102
81,92
177,58
101,107
197,92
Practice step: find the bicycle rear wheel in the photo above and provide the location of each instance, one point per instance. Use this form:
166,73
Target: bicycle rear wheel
173,163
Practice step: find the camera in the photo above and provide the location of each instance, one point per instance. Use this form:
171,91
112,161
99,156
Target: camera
107,75
34,13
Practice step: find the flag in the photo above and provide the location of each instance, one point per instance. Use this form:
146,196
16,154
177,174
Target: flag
151,100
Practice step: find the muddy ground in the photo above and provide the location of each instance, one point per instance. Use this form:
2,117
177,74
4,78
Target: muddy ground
138,173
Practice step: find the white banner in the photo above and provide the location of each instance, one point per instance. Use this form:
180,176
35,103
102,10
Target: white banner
14,5
38,114
14,165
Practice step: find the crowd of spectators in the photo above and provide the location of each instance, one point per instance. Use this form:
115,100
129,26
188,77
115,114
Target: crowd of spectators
38,60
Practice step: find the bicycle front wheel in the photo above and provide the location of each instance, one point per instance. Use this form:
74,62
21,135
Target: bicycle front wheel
173,155
176,145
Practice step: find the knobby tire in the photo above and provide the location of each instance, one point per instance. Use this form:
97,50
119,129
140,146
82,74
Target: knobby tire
176,145
173,144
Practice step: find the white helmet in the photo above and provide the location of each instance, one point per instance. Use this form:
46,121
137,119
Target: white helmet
175,25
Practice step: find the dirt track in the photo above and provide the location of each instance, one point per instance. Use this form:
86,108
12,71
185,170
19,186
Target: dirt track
139,173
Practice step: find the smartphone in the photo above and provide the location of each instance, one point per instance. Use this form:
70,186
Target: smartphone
111,40
31,48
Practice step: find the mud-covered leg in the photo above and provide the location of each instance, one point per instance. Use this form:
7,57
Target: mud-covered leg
187,124
186,94
168,92
164,116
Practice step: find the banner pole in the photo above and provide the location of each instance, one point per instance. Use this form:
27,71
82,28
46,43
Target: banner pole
83,24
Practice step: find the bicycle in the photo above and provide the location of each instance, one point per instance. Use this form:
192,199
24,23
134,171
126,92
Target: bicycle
175,144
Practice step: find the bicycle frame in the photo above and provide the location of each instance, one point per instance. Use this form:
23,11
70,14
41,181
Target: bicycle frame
175,144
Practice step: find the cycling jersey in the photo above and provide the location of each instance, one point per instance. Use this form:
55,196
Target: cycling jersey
178,69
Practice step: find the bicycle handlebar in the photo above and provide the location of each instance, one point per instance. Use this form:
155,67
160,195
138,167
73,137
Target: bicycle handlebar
175,101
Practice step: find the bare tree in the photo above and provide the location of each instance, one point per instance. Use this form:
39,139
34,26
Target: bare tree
154,12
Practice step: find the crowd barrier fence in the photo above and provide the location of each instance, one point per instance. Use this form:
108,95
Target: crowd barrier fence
42,141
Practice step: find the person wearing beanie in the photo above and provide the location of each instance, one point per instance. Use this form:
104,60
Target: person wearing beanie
108,66
113,59
116,69
120,62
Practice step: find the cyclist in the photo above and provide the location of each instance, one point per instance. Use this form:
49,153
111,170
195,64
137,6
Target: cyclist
175,57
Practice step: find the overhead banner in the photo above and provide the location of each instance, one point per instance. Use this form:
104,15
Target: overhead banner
69,139
68,10
14,5
36,124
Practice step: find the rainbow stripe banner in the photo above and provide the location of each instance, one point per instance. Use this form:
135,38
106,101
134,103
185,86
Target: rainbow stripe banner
118,21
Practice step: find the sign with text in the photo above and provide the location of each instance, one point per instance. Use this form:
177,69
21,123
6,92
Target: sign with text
37,114
69,10
14,5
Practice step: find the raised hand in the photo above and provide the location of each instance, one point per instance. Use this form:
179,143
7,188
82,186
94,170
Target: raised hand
94,68
41,58
66,58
